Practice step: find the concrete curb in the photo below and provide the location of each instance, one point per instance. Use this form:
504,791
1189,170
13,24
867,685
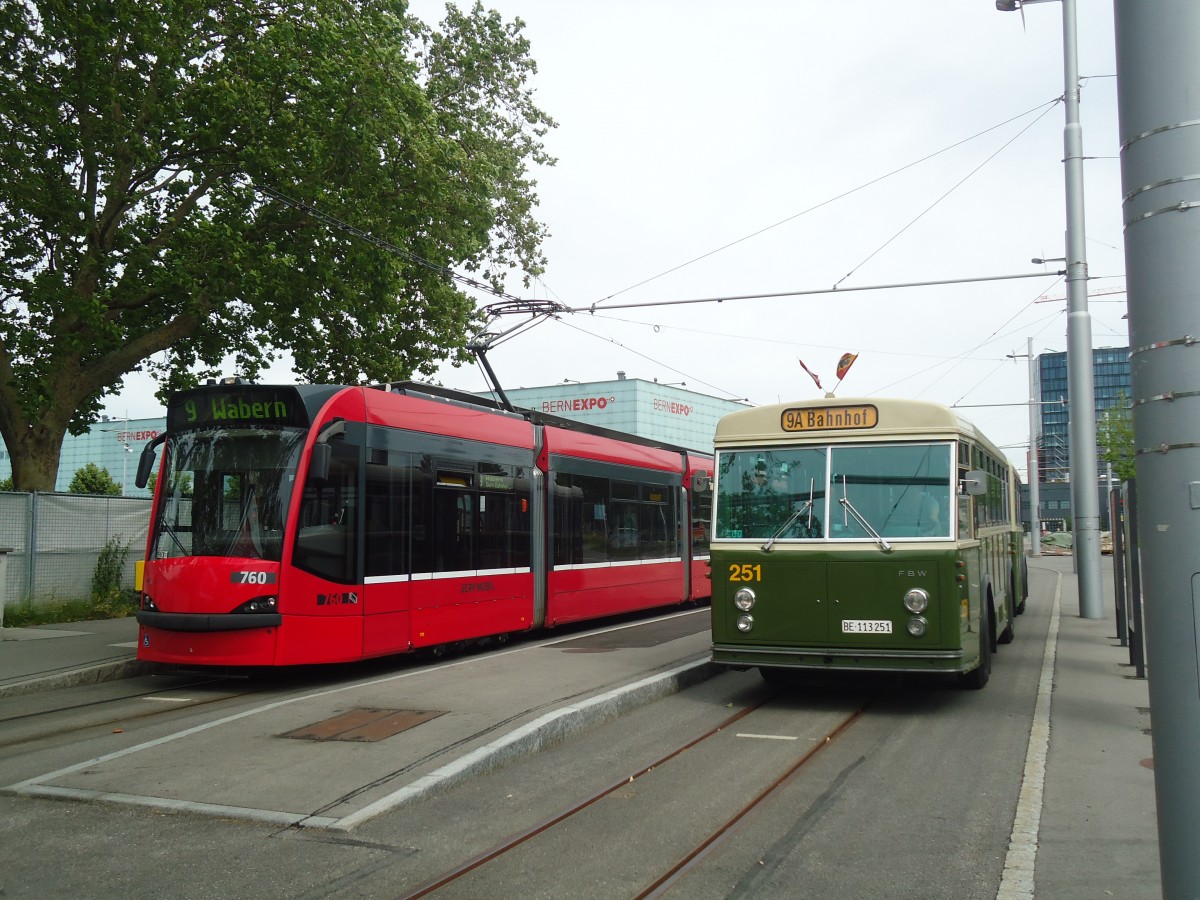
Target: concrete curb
110,671
533,736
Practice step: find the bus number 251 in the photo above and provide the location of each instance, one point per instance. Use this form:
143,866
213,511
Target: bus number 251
745,572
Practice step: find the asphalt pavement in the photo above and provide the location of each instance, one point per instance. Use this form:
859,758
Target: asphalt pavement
1085,826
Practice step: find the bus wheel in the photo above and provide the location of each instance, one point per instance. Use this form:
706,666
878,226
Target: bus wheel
978,677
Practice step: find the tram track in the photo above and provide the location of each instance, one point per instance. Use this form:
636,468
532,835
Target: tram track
53,715
52,710
687,861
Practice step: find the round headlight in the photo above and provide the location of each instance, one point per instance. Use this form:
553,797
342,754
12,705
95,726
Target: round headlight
745,623
744,599
916,626
916,600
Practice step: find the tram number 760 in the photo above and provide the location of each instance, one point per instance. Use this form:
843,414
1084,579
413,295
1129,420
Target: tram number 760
745,572
252,577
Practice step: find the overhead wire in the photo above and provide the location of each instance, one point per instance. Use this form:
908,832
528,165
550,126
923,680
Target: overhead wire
1046,106
645,356
965,354
935,203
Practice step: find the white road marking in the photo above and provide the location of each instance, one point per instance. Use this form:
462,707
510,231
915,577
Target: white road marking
1019,864
770,737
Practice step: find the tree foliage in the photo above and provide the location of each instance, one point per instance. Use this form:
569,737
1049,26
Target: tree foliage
175,176
92,479
1114,434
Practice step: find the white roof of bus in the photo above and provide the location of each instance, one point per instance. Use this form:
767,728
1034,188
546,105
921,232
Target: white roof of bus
897,418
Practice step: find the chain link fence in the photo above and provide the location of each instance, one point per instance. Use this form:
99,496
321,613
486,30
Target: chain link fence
56,540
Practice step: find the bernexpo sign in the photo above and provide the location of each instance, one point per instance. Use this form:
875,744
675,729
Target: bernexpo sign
578,404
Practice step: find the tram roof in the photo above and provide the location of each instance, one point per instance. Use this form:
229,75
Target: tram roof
463,398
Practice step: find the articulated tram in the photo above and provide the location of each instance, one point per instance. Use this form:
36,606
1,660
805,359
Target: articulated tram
318,524
867,534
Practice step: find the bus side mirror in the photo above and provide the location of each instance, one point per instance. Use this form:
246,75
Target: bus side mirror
322,453
146,462
701,482
974,483
318,462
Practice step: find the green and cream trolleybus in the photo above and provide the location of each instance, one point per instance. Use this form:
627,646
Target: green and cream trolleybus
867,534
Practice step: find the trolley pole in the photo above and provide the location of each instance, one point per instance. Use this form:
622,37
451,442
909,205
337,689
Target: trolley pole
1158,70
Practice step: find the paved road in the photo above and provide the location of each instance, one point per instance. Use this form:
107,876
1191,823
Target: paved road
215,795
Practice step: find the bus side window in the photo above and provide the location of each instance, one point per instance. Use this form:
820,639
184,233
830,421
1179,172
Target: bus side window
964,518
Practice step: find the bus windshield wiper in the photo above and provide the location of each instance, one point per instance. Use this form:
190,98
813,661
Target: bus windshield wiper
884,545
806,506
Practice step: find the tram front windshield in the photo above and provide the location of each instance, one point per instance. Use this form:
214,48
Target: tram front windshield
226,492
894,490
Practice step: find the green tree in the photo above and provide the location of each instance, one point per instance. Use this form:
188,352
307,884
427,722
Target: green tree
92,479
6,484
1114,433
189,180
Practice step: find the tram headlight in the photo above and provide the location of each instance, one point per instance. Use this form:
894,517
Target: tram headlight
743,599
745,623
917,626
259,605
916,601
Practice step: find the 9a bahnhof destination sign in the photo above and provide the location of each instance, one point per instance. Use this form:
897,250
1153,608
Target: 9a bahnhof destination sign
830,418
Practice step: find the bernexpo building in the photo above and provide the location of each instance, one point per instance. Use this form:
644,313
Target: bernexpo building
112,444
660,412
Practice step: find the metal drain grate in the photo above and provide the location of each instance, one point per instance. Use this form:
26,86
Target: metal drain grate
364,724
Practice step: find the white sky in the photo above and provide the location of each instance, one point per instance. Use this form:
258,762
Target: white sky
684,127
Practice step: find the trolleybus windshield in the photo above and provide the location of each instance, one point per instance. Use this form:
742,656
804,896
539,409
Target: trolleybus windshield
788,493
226,492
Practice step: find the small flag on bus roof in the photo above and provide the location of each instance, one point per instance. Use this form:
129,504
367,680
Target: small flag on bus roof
810,373
845,363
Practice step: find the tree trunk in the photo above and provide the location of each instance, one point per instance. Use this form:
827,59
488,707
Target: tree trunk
35,457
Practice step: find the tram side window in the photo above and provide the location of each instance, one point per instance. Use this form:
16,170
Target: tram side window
468,516
598,520
580,519
659,536
504,538
388,507
325,536
455,503
625,527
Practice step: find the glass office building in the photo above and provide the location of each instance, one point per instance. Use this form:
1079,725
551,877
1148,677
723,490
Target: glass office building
1111,374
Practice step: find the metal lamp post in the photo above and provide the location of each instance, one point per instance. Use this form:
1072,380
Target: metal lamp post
1080,383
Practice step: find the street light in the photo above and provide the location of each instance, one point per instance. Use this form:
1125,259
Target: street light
1080,387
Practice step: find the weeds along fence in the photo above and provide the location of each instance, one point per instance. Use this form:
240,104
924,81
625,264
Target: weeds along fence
56,540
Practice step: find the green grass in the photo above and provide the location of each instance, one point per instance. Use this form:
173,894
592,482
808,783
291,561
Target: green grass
27,613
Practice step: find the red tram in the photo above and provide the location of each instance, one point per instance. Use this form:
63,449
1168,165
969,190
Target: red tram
318,524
